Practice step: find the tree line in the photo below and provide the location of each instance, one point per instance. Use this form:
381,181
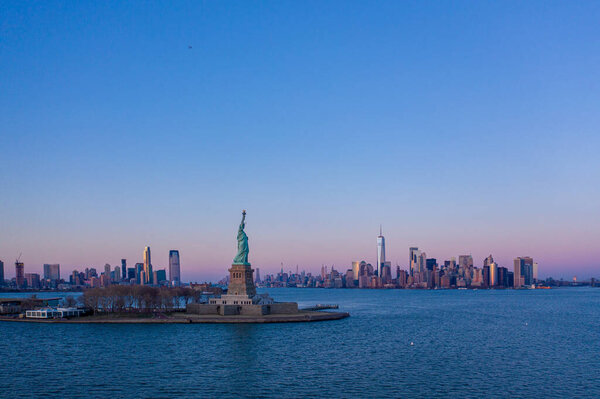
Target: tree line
138,298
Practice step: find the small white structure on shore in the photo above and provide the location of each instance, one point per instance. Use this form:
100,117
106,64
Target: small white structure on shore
51,313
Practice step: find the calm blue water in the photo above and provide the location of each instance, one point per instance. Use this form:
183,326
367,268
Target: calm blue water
542,343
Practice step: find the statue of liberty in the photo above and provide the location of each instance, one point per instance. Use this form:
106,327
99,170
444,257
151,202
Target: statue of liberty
242,254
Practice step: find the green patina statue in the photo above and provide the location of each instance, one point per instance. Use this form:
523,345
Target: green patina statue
242,254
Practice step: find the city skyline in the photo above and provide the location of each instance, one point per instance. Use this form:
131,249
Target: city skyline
173,268
460,129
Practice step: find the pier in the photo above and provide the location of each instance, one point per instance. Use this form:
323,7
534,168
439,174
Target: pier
320,306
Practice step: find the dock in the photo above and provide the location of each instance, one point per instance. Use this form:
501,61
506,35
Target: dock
320,306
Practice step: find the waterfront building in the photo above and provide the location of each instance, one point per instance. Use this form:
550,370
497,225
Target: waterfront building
355,270
257,279
107,269
523,274
517,276
89,273
366,269
1,273
477,280
20,274
486,276
465,261
147,266
95,282
75,278
445,281
349,279
418,261
527,270
493,274
50,313
160,276
33,280
380,253
363,281
437,275
124,268
430,263
130,273
422,262
535,272
488,261
503,277
413,254
105,280
386,273
51,272
174,268
402,278
139,268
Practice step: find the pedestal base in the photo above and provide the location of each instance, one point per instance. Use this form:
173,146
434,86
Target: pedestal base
241,280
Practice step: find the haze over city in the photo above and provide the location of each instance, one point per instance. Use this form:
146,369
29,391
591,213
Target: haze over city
122,129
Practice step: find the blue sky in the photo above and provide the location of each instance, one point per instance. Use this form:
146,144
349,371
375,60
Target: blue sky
462,127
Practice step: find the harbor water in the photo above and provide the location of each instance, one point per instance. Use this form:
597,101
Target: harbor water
396,343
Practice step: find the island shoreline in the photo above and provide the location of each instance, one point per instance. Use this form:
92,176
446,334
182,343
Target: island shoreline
194,319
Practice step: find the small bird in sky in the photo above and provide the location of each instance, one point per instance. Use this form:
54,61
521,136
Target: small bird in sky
189,47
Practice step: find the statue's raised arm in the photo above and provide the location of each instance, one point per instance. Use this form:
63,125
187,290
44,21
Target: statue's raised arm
243,222
242,254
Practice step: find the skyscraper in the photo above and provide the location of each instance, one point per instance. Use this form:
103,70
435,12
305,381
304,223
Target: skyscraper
52,272
527,270
20,274
502,277
431,263
421,262
33,280
147,266
139,268
1,273
413,254
380,253
174,267
524,271
160,276
493,274
355,270
517,273
488,261
124,268
465,261
257,279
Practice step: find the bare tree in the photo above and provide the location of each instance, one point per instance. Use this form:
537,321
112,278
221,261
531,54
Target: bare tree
70,302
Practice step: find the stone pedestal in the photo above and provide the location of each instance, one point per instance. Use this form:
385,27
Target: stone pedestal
241,280
241,295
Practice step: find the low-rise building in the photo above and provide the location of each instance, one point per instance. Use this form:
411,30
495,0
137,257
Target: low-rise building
53,313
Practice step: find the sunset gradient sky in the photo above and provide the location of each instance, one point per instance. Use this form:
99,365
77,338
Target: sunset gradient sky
462,127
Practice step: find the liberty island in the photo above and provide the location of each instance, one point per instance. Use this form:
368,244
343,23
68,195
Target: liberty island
242,304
